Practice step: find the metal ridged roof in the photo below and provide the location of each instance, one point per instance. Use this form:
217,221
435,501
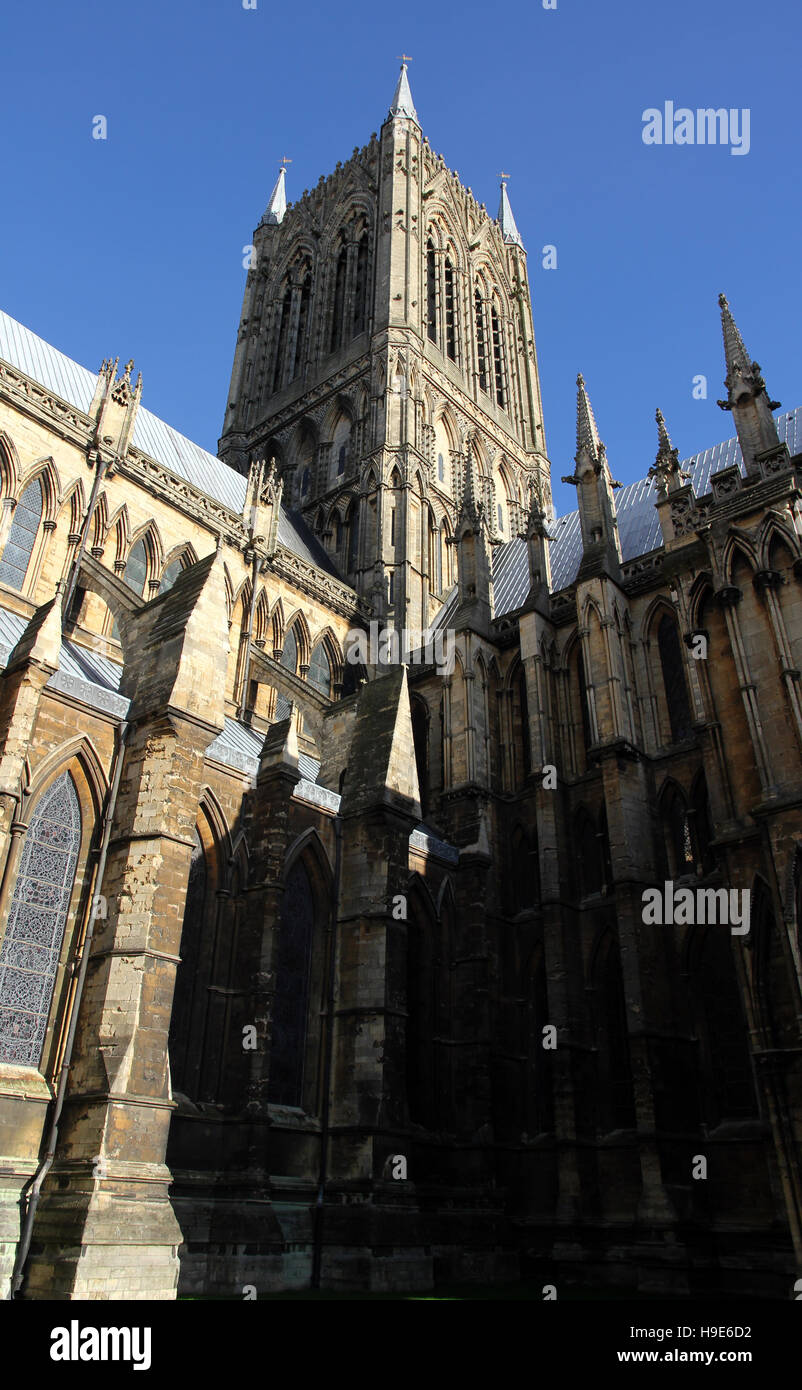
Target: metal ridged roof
37,359
638,522
74,661
295,535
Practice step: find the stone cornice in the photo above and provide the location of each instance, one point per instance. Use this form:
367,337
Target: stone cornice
27,396
317,583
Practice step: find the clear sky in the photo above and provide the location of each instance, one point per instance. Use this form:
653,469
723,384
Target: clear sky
132,246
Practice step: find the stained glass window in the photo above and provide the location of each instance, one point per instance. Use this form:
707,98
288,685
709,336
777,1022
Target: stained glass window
291,1002
36,921
19,545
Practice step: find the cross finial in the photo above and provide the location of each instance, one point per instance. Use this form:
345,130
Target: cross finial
404,58
285,160
503,176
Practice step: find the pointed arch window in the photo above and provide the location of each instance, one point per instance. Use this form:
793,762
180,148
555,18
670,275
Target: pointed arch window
681,856
420,740
353,538
725,1071
361,286
338,300
499,365
181,1030
320,669
19,544
679,710
281,337
523,715
171,573
290,1020
590,856
616,1101
701,827
452,326
136,567
441,469
303,324
481,341
289,653
36,921
583,701
431,292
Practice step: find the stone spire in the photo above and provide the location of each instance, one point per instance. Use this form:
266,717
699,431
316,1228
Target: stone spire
277,206
402,104
666,469
587,434
747,396
506,221
594,486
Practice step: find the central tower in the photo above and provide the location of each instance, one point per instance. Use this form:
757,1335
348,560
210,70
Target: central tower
385,352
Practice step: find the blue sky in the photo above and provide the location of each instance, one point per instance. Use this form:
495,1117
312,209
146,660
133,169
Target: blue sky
132,246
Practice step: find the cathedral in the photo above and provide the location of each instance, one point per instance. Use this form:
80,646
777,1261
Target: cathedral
325,967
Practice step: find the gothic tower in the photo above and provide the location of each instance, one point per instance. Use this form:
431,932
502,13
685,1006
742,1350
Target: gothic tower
386,337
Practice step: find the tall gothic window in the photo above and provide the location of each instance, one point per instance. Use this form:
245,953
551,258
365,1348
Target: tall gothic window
292,979
498,356
289,653
186,978
615,1098
320,669
679,710
353,538
37,917
303,324
420,740
136,567
421,1002
134,574
281,337
725,1072
338,301
583,701
701,825
361,286
431,292
19,545
523,714
682,859
451,311
481,341
591,865
170,574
